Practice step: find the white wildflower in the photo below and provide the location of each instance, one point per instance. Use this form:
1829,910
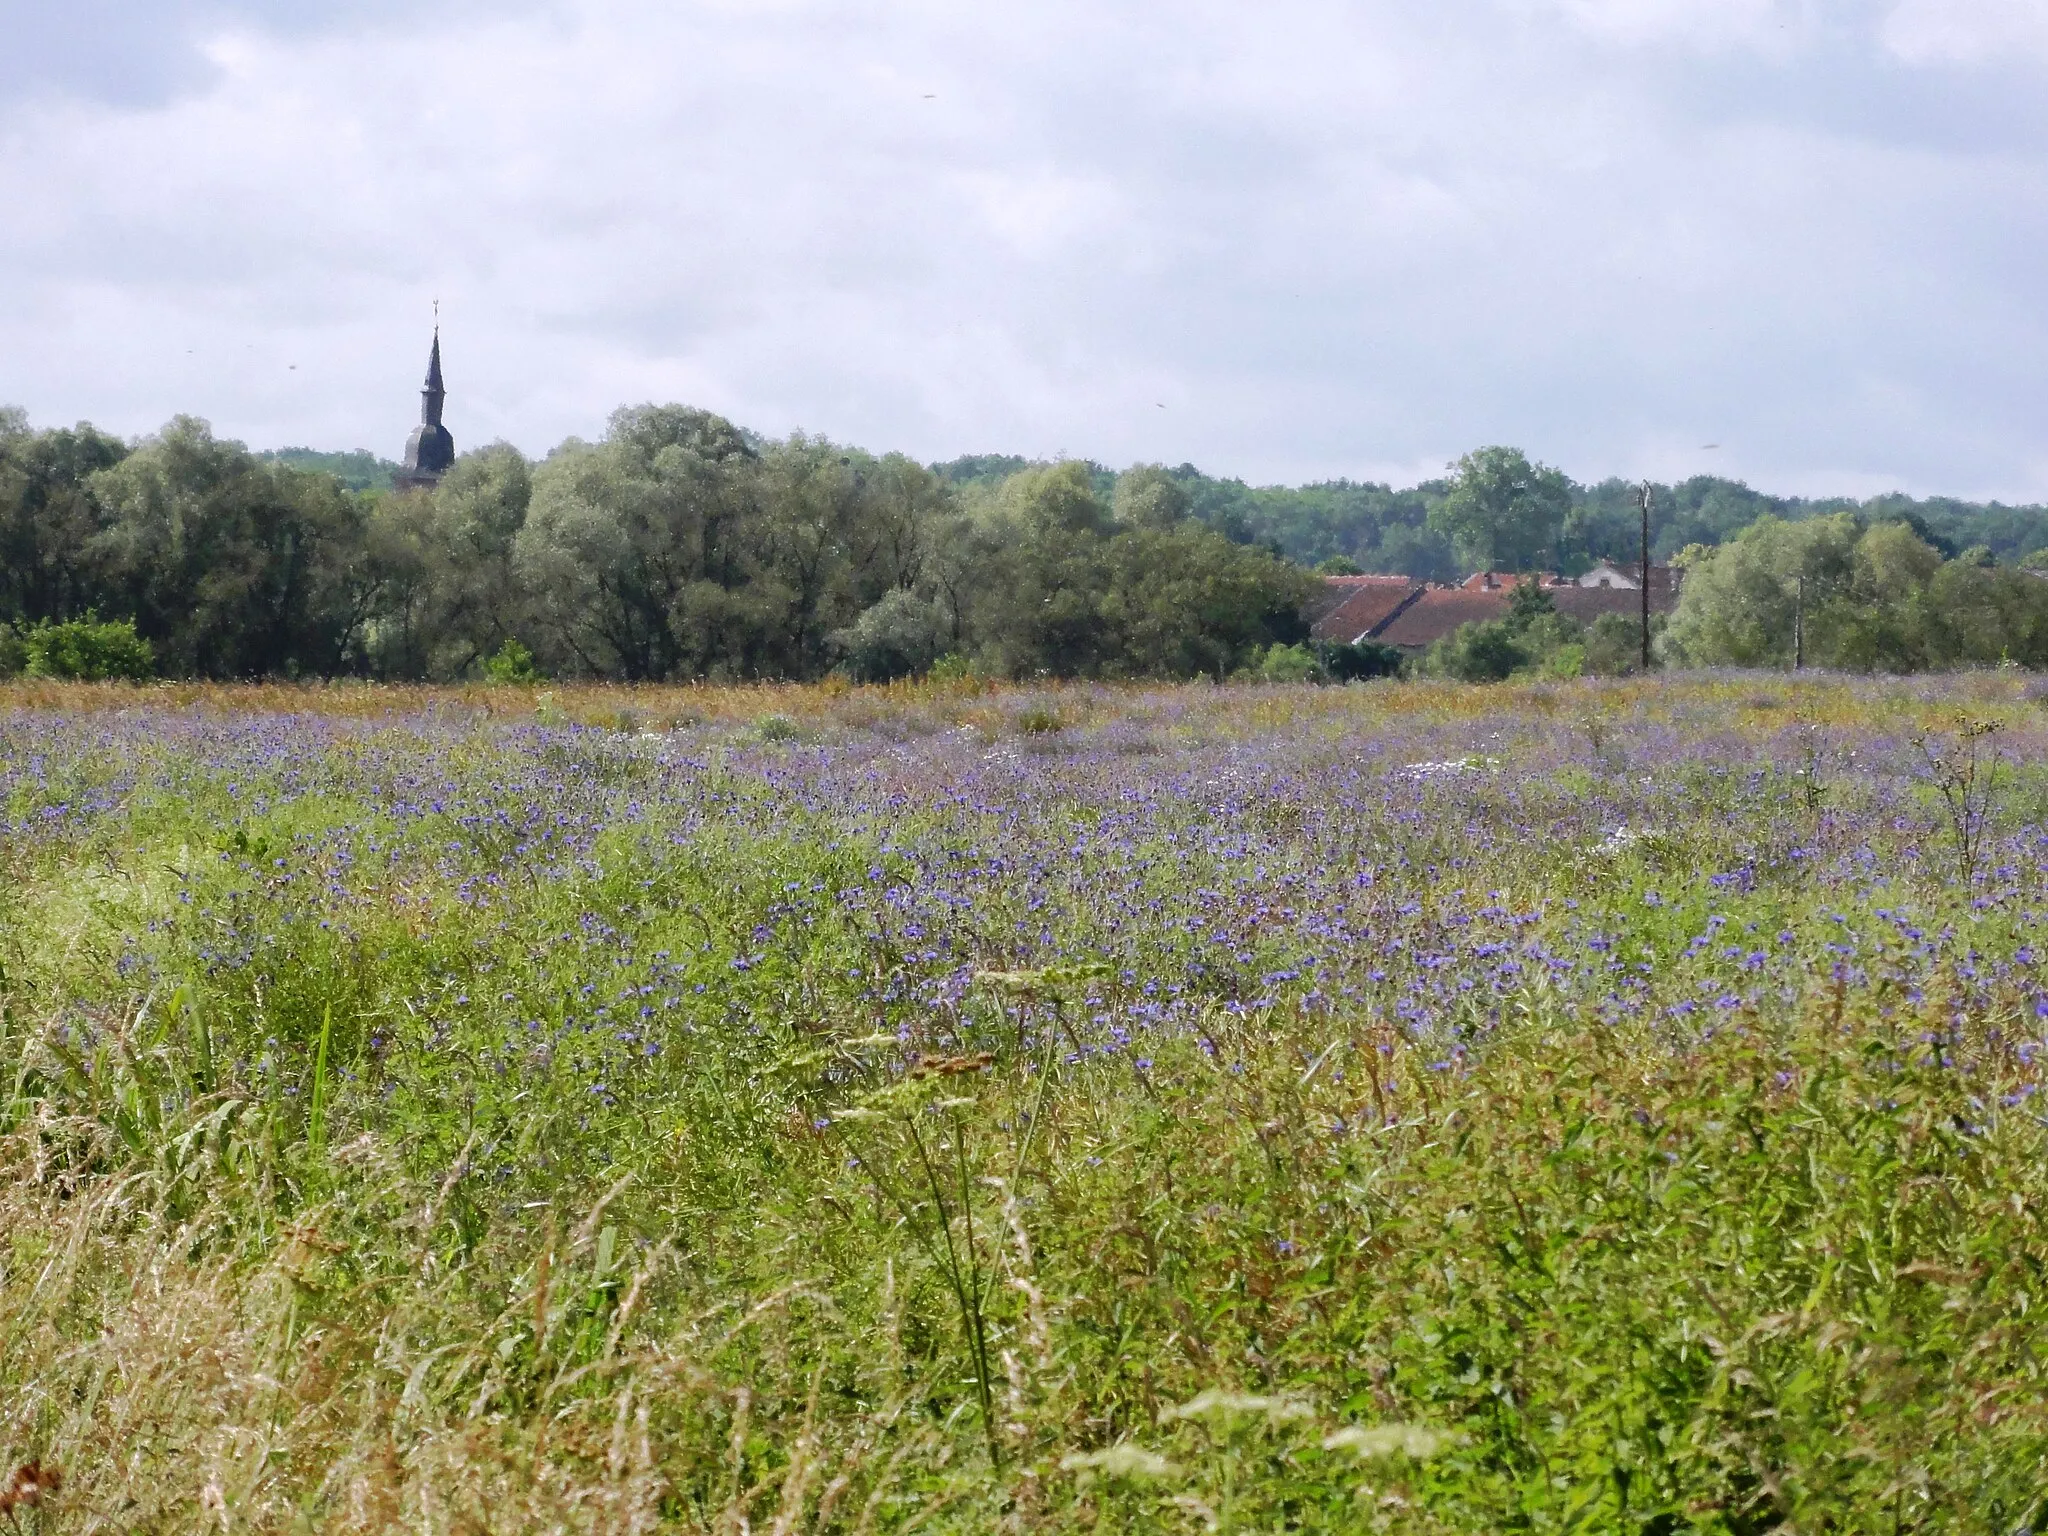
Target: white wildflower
1125,1460
1450,767
1371,1443
1619,841
1235,1405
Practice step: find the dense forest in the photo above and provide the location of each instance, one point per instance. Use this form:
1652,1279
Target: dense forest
675,547
1378,528
681,546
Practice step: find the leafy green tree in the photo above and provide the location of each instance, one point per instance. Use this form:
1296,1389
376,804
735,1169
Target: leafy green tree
678,548
899,636
1186,602
450,589
1339,565
634,548
512,664
1981,615
1502,511
1420,552
1288,664
1613,646
231,567
1054,499
88,650
1149,496
49,519
1880,622
1739,603
1040,581
1489,652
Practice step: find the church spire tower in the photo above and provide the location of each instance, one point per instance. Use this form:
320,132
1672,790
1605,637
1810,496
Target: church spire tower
430,450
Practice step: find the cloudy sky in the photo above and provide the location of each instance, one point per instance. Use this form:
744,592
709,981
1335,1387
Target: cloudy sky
1287,240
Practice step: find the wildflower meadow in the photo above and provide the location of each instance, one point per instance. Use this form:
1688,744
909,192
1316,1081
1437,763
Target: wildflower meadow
1408,1107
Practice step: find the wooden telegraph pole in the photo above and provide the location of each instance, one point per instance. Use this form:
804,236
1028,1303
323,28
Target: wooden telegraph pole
1643,494
1799,623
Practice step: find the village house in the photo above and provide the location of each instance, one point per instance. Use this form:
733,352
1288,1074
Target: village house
1412,615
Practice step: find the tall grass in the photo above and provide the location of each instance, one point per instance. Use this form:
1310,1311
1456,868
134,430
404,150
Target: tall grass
457,1123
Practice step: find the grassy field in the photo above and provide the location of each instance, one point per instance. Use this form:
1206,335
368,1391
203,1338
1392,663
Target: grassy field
1563,1108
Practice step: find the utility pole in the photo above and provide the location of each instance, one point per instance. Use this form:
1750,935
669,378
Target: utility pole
1799,623
1643,494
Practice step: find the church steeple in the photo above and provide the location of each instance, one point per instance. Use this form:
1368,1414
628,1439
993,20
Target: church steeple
430,450
432,396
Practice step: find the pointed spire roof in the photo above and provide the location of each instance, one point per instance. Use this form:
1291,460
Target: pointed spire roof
430,450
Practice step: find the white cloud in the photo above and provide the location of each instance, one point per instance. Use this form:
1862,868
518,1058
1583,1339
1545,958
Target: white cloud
1772,25
1326,237
1967,31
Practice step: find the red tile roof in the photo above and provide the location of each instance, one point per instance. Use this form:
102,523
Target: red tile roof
1439,610
1350,607
1396,611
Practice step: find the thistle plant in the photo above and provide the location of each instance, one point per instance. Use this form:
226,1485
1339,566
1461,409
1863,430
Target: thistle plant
1966,770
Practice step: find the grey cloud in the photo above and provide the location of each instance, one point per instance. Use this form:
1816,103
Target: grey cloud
1331,237
145,52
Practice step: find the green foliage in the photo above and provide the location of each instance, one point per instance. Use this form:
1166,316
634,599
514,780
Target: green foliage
50,522
88,650
1529,602
1358,661
1185,601
385,1167
900,636
361,470
683,547
1869,598
448,590
1504,512
1480,653
513,663
1339,565
1150,496
231,567
1533,637
1613,646
1288,664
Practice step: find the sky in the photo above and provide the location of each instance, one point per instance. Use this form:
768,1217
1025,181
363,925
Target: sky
1797,242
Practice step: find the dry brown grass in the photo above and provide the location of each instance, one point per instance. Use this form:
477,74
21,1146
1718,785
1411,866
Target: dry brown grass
250,1389
993,707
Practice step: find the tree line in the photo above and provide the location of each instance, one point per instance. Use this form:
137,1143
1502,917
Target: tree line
1560,523
679,546
675,547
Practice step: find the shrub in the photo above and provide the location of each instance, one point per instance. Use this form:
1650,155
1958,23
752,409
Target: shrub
13,654
1480,653
513,664
1614,645
1288,664
955,671
900,636
88,650
1362,659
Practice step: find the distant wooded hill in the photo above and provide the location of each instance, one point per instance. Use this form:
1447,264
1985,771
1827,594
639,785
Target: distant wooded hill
1380,528
361,470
